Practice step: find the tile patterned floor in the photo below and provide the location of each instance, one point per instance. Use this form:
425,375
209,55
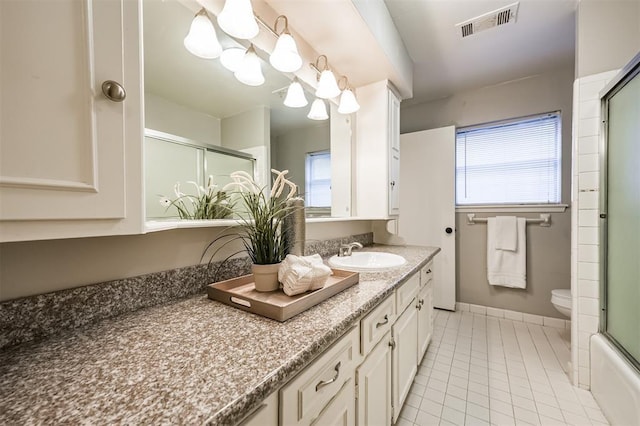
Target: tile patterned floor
481,370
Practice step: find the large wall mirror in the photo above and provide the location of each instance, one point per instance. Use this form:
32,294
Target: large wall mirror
201,121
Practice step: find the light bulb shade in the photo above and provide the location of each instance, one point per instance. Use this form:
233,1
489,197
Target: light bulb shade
327,85
295,96
237,19
318,110
285,56
348,102
250,72
232,58
202,40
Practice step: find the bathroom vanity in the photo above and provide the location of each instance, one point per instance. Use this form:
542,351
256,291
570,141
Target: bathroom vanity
198,361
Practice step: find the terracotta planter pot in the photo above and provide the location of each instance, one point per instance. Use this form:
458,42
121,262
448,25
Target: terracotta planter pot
266,277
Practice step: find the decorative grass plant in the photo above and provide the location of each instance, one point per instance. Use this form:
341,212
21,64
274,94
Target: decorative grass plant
209,203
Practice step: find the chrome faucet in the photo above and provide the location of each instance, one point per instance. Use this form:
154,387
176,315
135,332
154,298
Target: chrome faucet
346,249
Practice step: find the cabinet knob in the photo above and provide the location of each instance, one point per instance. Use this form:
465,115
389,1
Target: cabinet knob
448,230
392,183
113,91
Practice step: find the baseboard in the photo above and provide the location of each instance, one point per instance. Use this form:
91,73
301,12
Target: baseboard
514,315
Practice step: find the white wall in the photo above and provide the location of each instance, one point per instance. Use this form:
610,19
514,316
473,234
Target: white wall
248,129
548,249
608,37
169,117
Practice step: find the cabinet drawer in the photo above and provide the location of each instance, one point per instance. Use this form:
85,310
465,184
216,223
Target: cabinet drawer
376,324
426,273
406,293
265,415
302,399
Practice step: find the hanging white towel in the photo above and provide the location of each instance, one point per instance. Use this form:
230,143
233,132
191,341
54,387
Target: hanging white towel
506,233
507,267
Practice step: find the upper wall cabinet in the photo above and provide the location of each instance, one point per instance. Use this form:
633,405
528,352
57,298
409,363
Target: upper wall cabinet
71,158
378,151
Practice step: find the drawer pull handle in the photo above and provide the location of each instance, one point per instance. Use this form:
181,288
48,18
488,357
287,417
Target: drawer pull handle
324,383
392,343
428,271
381,323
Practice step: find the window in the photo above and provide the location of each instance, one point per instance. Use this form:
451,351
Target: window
510,162
318,179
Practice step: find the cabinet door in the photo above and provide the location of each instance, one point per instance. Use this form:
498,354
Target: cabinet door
394,154
424,306
341,410
404,356
67,155
373,380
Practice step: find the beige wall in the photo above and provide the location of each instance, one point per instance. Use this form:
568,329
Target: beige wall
35,267
548,249
608,35
291,148
166,116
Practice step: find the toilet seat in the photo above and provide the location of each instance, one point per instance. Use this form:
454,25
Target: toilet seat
561,297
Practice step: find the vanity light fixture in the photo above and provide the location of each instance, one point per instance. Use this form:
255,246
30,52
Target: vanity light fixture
202,40
249,71
327,85
237,19
348,102
232,57
318,110
295,95
285,56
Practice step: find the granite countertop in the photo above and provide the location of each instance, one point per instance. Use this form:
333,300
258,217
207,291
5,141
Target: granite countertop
192,361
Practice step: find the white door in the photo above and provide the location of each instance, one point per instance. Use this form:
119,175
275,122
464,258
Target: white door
427,172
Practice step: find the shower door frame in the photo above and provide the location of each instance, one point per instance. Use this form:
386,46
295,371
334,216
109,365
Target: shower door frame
629,72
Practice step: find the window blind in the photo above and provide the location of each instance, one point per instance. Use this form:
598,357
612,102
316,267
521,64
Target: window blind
513,162
318,179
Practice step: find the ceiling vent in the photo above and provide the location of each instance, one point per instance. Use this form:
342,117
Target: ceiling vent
502,16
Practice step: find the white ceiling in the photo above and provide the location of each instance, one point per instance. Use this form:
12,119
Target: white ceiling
542,38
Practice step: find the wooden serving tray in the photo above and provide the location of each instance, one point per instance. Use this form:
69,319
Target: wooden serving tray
240,293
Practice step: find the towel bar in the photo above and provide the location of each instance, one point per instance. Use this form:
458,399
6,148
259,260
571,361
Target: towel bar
545,219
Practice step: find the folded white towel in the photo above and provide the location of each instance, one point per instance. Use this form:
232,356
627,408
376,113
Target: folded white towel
506,233
302,273
504,267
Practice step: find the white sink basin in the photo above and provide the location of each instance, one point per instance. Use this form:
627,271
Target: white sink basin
367,261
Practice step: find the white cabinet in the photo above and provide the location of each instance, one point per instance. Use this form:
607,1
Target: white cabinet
404,338
310,393
373,385
265,415
378,151
71,162
341,410
424,304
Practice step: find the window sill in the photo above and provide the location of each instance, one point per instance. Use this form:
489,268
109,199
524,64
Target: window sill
513,208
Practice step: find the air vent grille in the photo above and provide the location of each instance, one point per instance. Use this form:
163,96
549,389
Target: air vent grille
502,16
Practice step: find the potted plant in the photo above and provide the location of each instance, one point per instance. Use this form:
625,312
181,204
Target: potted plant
262,218
210,203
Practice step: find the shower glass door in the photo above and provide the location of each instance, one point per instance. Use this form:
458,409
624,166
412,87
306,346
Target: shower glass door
621,214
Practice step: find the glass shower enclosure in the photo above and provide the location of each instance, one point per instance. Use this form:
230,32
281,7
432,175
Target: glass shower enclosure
620,212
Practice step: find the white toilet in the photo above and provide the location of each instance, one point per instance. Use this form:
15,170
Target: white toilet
561,300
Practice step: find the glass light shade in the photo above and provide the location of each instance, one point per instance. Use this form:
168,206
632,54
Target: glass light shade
295,96
232,58
348,102
202,40
285,56
250,72
318,110
327,85
237,19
